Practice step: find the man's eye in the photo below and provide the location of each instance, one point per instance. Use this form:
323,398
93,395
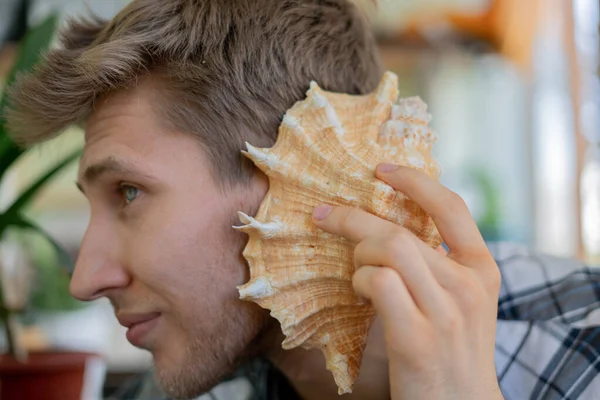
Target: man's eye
129,193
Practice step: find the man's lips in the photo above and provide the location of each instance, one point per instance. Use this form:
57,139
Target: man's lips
139,326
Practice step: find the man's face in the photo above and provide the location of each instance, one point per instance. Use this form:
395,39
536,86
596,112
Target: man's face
160,245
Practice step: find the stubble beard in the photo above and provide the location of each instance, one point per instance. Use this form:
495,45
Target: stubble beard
210,358
245,331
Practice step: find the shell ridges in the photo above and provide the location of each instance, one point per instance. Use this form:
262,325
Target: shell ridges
327,150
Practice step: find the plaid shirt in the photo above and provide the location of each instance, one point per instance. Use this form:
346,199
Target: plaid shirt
547,341
548,334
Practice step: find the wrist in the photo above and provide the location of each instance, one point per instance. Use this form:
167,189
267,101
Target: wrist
443,387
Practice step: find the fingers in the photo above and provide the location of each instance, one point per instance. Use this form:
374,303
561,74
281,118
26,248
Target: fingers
352,223
386,244
357,225
383,241
427,273
389,295
389,251
448,210
399,252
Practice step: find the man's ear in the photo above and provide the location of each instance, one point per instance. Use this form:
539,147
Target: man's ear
250,195
259,187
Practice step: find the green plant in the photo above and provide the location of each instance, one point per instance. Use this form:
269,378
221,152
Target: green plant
35,42
489,222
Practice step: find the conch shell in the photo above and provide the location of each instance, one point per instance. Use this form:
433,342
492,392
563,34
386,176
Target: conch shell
327,150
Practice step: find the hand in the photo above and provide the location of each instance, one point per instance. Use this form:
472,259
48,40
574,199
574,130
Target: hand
438,310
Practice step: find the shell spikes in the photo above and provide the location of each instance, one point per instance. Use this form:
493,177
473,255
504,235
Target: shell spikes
328,147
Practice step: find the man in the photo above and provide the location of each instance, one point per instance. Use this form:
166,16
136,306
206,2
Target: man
168,92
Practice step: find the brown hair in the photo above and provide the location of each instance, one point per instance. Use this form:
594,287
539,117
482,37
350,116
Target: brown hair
227,69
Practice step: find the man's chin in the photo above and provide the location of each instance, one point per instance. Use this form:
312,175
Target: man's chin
185,369
185,379
179,385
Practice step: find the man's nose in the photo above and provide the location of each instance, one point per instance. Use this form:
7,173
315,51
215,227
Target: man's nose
98,269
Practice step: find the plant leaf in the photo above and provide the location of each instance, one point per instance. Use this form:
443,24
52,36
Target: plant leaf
30,192
9,152
5,141
65,260
36,41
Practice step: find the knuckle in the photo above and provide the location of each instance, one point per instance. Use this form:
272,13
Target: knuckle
388,247
400,235
384,280
472,295
344,218
357,255
347,215
489,273
471,298
454,203
493,279
450,323
391,245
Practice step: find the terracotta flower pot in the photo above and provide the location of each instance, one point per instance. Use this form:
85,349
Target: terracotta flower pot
45,376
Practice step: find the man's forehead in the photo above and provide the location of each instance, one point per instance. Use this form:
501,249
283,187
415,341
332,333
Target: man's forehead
122,121
137,97
121,106
119,134
123,133
112,143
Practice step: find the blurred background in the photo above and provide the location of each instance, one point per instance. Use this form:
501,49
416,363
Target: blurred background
514,90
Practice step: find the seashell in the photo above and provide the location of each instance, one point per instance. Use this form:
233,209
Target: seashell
327,150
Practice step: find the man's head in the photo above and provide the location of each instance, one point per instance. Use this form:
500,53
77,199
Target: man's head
168,91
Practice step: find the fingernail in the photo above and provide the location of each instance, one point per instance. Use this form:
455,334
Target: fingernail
321,212
385,168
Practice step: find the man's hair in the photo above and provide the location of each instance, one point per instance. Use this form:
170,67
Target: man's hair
226,70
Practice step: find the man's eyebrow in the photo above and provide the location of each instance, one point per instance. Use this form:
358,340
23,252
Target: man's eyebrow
109,165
